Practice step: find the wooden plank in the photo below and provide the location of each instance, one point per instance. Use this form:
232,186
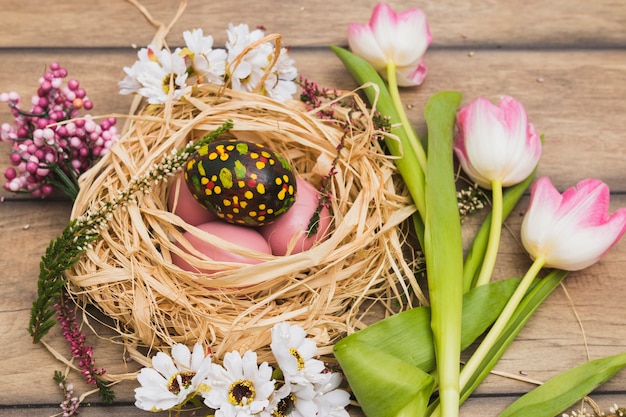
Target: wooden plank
571,96
102,23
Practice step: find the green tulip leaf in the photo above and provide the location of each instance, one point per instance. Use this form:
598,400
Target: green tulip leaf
408,335
562,391
384,385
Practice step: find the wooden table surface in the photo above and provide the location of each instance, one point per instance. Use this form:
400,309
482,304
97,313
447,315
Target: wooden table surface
564,59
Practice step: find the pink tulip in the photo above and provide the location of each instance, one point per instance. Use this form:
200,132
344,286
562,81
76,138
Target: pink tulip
390,37
574,230
496,142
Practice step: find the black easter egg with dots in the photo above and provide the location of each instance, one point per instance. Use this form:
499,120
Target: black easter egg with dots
241,182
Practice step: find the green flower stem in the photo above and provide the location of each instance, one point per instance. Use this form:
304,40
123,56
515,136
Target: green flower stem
496,330
477,250
407,162
416,145
495,231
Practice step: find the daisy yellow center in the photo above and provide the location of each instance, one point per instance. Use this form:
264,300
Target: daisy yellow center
174,386
241,392
285,406
165,83
294,352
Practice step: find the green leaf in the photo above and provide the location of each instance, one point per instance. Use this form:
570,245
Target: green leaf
443,246
542,288
562,391
384,385
408,335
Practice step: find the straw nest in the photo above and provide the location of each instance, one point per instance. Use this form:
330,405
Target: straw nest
128,273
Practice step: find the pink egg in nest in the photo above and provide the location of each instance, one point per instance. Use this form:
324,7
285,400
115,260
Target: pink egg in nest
243,236
181,202
287,234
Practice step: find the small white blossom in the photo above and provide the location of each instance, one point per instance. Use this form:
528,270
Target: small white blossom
154,74
241,388
172,380
295,355
208,64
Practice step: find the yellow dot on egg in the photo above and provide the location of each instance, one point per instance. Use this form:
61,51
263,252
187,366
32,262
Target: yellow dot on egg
271,161
253,176
230,216
254,155
241,184
281,194
260,164
249,195
217,189
261,218
286,178
236,210
278,181
230,147
261,206
208,191
260,188
191,163
204,180
252,213
291,190
213,156
243,204
226,202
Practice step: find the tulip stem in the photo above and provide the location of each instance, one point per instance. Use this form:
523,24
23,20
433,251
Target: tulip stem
494,333
489,262
416,145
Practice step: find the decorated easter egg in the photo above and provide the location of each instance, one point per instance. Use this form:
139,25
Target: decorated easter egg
289,234
245,237
184,205
241,182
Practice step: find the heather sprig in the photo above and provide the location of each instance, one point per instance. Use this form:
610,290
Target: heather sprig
78,235
83,353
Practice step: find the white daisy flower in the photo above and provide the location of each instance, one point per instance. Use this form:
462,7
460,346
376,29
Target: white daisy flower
295,355
174,379
280,84
329,399
247,71
241,388
154,74
293,401
209,64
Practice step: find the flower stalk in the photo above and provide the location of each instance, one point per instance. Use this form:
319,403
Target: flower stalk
495,230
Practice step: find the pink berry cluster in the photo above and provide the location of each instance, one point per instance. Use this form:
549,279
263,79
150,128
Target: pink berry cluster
52,146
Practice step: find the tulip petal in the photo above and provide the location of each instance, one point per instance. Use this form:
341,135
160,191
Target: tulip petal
574,230
496,142
363,43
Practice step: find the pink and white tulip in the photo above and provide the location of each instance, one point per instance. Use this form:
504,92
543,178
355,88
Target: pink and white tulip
573,230
496,142
401,38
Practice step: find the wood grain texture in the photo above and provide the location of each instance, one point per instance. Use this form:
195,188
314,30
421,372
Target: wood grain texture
102,23
565,60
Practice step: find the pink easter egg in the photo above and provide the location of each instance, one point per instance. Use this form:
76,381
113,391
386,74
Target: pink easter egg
181,202
243,236
287,234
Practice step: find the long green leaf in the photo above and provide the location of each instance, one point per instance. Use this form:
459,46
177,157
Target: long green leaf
443,247
384,385
562,391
